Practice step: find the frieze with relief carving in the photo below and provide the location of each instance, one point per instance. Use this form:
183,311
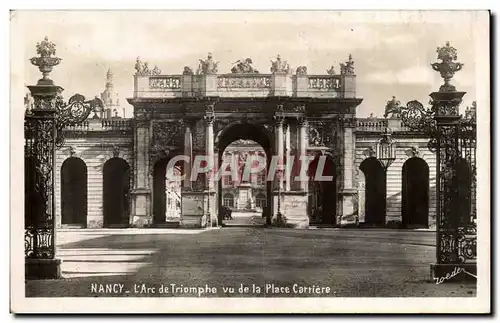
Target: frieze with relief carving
321,133
167,136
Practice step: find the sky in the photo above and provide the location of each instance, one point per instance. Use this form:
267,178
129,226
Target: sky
392,51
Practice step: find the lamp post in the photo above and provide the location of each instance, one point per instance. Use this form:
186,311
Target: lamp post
454,141
386,149
43,133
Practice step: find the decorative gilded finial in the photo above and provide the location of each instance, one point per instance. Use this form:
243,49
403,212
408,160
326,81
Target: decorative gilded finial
447,67
47,59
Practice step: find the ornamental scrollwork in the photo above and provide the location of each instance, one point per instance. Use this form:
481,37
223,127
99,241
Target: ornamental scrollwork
72,113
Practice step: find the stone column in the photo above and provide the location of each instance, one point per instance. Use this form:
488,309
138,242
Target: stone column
209,144
288,169
302,123
211,218
141,192
279,144
348,214
188,151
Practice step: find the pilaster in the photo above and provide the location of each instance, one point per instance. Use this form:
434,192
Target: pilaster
141,192
348,194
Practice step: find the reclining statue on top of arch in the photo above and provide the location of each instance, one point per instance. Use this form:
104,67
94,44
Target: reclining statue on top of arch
244,67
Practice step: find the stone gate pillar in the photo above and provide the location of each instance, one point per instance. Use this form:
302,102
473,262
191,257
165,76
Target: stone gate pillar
348,193
141,191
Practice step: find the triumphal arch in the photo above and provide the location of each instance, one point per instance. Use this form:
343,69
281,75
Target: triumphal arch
199,113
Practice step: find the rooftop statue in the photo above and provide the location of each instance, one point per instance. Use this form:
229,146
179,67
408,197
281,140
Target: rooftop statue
301,70
347,68
280,66
393,108
187,71
156,71
142,68
207,66
244,66
331,71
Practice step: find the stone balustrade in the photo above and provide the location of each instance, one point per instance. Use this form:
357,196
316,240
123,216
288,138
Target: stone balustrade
96,124
380,124
245,85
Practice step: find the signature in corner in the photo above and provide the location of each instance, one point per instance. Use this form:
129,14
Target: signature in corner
455,272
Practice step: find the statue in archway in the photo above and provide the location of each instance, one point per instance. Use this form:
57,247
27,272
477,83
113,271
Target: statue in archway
244,66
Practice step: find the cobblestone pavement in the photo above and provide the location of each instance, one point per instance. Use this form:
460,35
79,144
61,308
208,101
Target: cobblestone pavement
271,262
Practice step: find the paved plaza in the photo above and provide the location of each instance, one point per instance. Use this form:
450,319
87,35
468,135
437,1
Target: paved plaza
270,262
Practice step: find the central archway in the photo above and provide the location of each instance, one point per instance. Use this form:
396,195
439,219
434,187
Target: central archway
260,135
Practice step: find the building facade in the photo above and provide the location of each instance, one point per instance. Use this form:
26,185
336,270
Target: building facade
112,171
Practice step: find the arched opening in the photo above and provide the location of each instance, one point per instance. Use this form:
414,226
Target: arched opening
74,192
322,190
415,199
116,193
461,198
375,192
240,145
167,198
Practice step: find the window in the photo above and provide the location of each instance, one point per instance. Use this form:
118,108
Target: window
228,200
228,182
261,179
260,201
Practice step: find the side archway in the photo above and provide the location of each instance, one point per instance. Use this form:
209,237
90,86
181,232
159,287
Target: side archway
166,191
323,193
375,192
415,193
116,193
74,192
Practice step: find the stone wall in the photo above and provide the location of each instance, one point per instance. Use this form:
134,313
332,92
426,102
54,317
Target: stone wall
94,151
404,152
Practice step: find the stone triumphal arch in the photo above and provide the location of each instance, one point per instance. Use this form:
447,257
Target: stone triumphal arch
201,113
112,171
